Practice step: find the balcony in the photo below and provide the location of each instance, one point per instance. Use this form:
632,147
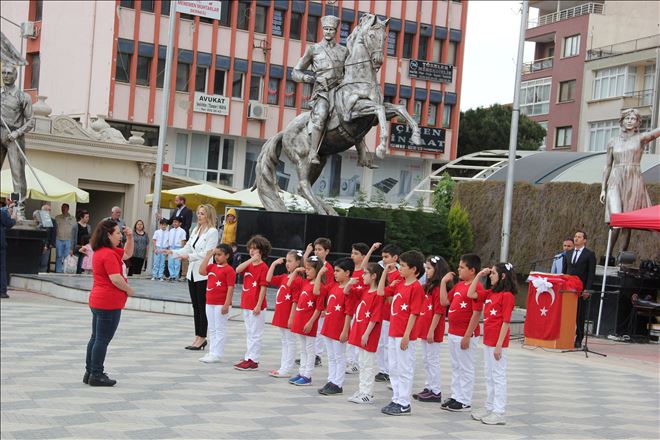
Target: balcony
537,65
625,47
638,99
584,9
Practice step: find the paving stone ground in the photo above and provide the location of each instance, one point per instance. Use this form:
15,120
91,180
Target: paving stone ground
164,392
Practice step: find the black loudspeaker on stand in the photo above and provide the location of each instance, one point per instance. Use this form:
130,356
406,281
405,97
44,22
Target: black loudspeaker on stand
585,345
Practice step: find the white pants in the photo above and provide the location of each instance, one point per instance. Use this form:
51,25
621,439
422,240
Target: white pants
288,359
217,329
382,351
351,354
402,370
431,358
320,339
336,361
495,375
462,369
307,356
367,363
254,332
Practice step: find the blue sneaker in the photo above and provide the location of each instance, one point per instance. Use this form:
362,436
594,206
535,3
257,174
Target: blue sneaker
295,378
303,381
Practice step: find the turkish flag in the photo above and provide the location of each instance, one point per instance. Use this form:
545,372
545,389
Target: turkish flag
544,304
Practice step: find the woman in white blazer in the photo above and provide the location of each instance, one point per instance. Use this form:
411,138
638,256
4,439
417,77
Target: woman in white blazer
202,239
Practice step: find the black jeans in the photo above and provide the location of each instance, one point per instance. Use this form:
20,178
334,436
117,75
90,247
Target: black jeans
104,325
135,266
197,290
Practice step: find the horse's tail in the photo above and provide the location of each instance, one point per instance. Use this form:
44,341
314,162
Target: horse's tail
266,174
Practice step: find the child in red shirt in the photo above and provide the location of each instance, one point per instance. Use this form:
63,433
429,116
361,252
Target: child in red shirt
359,252
219,293
335,327
430,327
497,318
321,249
407,299
366,329
390,256
463,317
288,287
306,310
253,300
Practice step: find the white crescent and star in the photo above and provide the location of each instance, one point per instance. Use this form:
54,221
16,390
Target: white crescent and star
493,312
357,312
277,296
302,294
552,295
544,311
463,304
245,282
329,311
398,295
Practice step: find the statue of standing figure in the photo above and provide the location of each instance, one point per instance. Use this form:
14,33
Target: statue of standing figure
623,188
17,120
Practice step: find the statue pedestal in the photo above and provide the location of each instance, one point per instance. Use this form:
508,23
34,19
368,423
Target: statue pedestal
24,246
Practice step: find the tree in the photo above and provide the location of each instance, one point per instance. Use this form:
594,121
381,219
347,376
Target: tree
461,238
442,194
488,128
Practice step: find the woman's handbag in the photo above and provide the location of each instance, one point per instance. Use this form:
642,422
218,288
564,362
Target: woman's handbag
70,264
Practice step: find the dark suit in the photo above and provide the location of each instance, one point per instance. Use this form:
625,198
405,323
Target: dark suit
585,269
187,215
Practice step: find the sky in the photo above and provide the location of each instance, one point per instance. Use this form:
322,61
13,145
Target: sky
491,48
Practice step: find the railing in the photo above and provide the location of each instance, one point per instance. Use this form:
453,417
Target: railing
536,65
584,9
638,98
624,47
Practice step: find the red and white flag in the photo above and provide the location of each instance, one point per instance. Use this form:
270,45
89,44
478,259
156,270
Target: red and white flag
544,304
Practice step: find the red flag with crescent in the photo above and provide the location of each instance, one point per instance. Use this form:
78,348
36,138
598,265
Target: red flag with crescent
544,304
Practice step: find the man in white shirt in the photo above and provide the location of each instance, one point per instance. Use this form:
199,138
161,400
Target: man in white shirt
558,262
177,236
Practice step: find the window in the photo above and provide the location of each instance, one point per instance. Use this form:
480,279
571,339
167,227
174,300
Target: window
407,45
437,51
143,70
312,28
544,124
35,67
446,115
243,15
296,24
208,158
150,135
564,137
256,84
391,43
306,94
273,91
225,13
601,132
182,76
571,46
147,5
422,52
127,4
219,83
535,97
567,91
290,93
278,23
38,10
165,7
433,111
160,74
200,79
417,111
344,32
451,53
123,67
614,82
647,87
237,85
404,103
261,14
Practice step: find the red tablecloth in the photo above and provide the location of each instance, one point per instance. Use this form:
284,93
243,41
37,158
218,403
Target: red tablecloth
544,303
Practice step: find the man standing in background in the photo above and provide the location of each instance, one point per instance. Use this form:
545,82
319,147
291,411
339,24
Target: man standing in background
65,222
558,261
581,262
7,221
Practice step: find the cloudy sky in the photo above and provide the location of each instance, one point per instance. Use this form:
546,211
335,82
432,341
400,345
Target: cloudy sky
490,53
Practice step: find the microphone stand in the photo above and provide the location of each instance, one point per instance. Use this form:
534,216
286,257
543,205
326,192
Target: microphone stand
585,346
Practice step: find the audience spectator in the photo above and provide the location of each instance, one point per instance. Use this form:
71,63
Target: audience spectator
65,223
46,223
140,249
7,221
80,234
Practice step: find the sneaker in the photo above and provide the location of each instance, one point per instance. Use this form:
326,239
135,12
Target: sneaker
210,359
494,419
447,402
276,373
361,398
382,377
86,378
387,407
430,397
352,369
101,380
252,365
424,392
334,389
294,378
397,410
153,278
457,406
317,361
241,365
479,414
303,381
325,388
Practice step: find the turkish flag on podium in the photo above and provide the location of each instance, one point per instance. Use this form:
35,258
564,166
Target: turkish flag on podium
545,305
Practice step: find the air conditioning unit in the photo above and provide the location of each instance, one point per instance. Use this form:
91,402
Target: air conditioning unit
257,110
29,30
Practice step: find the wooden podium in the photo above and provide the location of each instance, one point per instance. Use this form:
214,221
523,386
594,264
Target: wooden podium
567,324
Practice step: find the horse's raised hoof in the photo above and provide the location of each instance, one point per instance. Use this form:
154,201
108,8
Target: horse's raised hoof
380,151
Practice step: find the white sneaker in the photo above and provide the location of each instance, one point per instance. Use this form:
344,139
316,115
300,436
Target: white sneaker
479,414
494,419
209,359
153,278
352,369
361,398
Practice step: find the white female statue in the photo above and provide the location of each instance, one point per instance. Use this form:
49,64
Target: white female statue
623,187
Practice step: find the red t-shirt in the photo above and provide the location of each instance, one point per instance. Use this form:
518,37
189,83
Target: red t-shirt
431,307
461,308
407,300
284,298
497,310
105,295
329,275
354,296
254,278
219,280
335,313
368,310
306,303
387,304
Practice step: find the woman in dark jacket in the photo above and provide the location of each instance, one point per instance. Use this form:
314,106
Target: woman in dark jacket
140,248
80,234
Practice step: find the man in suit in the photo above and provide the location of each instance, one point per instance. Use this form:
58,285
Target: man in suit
581,262
184,212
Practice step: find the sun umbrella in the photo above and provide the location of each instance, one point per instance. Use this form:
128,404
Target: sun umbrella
197,195
251,198
58,190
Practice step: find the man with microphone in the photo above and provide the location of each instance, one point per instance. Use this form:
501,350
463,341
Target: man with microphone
558,261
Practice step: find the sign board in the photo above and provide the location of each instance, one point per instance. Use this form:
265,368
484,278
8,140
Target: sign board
433,139
278,22
215,104
429,71
208,8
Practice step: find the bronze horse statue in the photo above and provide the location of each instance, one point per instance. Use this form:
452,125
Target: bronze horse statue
358,106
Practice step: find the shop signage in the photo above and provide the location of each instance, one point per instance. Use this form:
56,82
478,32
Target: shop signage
429,71
208,9
216,104
433,139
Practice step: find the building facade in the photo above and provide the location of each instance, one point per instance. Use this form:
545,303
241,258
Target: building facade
562,85
107,58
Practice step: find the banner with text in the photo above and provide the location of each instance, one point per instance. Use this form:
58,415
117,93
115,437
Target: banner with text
433,139
208,9
215,104
429,71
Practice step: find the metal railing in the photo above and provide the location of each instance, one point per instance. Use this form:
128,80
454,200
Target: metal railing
638,98
624,47
584,9
536,65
